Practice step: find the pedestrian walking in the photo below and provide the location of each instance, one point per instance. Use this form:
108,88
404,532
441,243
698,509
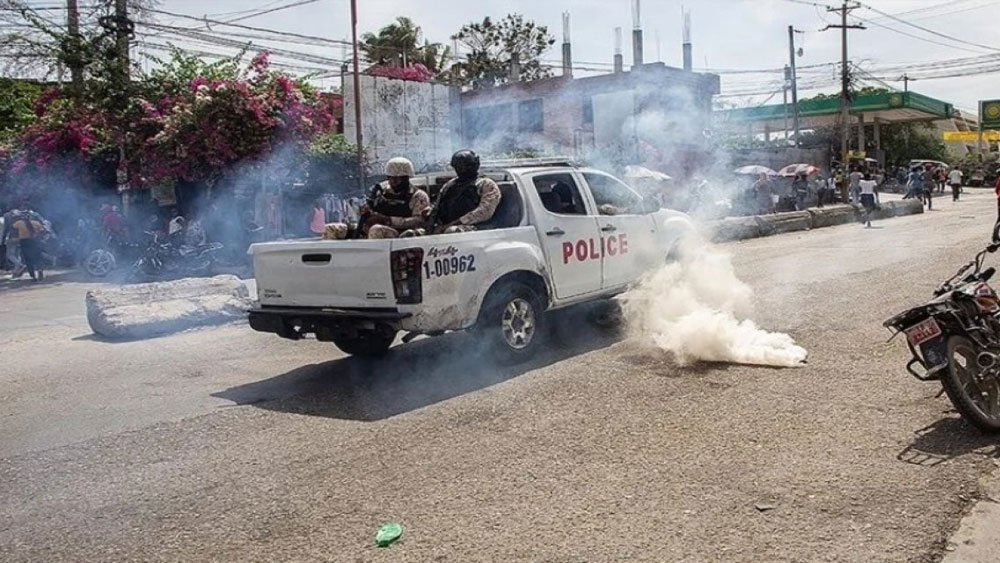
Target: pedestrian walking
9,238
955,181
855,178
29,232
763,191
927,180
800,188
867,196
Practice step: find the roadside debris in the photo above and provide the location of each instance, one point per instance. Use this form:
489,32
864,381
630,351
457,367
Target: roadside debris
387,534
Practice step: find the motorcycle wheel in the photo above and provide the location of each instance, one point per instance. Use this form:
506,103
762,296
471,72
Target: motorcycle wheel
976,399
99,263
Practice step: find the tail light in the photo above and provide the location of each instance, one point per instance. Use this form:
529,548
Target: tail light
407,283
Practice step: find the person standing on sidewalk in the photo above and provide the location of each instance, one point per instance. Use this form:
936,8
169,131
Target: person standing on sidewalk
955,181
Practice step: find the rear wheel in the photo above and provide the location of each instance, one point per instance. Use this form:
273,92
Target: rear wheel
368,343
975,395
512,322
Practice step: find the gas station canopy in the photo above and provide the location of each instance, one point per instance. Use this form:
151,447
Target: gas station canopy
886,107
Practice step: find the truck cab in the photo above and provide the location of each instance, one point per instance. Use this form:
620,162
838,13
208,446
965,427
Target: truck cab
562,235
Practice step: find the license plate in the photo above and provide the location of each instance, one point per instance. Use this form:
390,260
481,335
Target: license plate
922,332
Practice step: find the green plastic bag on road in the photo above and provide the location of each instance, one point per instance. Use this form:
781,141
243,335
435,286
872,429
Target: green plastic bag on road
387,534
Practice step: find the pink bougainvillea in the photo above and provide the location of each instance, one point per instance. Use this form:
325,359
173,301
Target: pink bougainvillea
415,72
194,127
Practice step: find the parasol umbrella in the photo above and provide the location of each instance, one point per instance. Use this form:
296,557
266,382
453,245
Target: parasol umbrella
755,170
795,169
643,173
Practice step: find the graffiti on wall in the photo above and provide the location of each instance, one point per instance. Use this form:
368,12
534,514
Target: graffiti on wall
401,118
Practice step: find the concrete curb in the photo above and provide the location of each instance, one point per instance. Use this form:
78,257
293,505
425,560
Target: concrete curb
741,228
153,309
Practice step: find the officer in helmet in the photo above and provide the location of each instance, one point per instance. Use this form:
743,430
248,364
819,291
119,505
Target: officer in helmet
392,206
400,207
467,200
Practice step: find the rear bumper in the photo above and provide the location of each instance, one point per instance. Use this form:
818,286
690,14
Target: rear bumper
296,322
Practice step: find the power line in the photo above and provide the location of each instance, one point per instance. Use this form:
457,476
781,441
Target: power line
928,30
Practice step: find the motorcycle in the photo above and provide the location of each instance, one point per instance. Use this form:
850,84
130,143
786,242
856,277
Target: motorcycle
102,260
955,338
163,260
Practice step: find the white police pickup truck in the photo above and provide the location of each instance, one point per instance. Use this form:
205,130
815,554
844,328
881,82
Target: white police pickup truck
549,245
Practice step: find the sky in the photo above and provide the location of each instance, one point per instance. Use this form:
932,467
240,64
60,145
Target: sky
728,35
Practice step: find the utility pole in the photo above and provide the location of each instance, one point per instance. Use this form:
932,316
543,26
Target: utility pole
123,30
357,95
784,98
795,86
845,84
906,83
74,60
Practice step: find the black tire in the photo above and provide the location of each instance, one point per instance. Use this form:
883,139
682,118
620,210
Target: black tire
366,343
512,322
983,413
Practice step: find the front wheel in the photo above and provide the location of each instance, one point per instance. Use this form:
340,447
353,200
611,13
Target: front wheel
512,322
99,263
367,343
974,392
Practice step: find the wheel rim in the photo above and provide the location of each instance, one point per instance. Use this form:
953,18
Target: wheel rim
100,262
981,386
518,323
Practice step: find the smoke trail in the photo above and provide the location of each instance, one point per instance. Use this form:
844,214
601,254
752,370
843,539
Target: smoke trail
695,309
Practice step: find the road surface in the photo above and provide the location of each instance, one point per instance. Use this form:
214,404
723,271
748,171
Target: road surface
227,445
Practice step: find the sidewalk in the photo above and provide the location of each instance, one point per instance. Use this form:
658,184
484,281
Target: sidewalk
978,537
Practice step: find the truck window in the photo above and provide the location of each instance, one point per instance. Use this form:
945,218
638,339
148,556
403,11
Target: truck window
559,194
611,195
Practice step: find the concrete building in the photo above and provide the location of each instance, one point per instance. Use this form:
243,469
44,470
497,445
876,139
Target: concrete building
653,114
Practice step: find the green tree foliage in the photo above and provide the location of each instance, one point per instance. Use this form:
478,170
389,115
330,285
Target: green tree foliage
494,46
35,42
399,44
17,106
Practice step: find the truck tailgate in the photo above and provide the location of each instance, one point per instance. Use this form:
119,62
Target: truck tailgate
324,273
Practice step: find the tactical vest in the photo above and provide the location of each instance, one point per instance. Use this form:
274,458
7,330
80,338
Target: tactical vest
457,198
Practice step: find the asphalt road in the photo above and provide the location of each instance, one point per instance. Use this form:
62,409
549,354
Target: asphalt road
227,445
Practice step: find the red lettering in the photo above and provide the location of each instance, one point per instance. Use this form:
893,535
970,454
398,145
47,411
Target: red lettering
623,243
604,246
593,251
581,250
567,252
612,246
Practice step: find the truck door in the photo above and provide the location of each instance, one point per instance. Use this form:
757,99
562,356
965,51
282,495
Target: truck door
568,233
628,234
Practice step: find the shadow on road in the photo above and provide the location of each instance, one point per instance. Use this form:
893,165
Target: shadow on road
55,277
411,376
948,439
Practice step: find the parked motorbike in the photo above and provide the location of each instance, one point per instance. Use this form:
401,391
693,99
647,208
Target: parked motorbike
162,260
955,339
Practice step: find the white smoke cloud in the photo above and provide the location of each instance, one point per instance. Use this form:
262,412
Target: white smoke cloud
696,309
